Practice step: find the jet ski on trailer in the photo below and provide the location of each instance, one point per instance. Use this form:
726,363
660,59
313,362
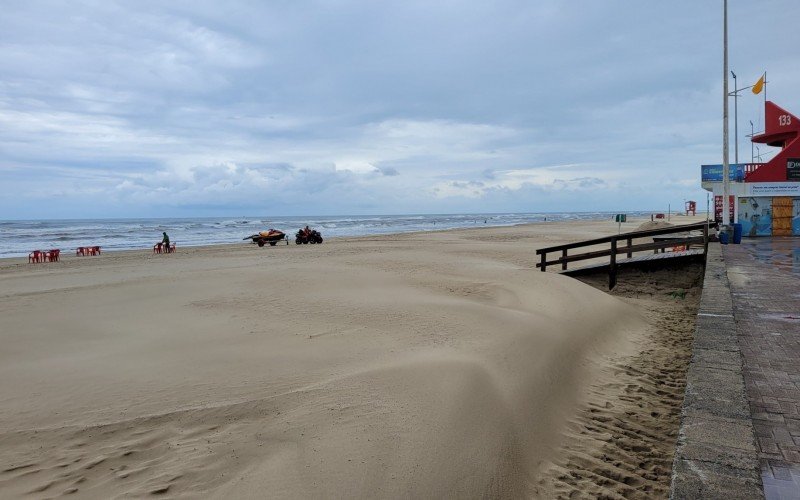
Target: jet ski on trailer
271,237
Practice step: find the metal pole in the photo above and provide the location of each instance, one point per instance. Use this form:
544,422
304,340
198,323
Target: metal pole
735,119
725,161
752,152
735,138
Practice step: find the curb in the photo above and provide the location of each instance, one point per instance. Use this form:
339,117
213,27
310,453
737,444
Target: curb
716,454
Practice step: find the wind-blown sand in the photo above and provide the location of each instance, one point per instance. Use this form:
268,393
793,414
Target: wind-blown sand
422,365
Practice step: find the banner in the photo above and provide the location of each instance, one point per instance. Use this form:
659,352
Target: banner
718,208
793,169
713,173
773,188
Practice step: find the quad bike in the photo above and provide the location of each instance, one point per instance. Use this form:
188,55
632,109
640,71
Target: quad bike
273,236
307,235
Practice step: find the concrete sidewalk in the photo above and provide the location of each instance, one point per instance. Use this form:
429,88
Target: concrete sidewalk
764,276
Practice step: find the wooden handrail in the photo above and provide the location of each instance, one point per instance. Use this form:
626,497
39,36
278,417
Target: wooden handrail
631,235
628,248
625,249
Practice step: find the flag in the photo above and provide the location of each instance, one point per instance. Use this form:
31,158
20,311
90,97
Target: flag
759,86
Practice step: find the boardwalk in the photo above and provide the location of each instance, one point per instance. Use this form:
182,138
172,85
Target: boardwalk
646,261
764,278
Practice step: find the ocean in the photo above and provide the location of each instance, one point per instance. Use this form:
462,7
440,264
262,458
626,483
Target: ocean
18,238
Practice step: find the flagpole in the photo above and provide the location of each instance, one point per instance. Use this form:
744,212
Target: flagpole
725,160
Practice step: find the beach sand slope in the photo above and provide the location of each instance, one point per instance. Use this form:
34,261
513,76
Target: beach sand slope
422,365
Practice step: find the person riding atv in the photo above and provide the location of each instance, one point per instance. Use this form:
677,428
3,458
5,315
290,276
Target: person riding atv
307,235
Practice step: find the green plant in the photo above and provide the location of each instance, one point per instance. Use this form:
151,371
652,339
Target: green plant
680,293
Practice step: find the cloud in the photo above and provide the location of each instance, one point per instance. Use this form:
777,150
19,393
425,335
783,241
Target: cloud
579,183
388,171
349,107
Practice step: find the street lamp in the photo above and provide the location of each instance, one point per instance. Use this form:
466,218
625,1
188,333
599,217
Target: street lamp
725,164
735,118
752,133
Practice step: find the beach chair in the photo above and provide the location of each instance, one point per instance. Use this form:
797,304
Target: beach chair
157,248
52,255
95,250
171,248
80,251
35,256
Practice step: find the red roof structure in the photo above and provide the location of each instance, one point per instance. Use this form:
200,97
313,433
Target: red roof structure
782,130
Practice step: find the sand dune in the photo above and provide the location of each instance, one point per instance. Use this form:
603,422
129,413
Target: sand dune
424,365
621,443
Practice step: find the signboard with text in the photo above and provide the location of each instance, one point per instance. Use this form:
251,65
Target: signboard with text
718,208
773,189
713,173
793,169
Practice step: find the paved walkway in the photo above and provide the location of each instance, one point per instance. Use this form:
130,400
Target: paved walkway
764,275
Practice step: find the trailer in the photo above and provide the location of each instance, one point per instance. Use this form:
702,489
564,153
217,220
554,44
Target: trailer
271,237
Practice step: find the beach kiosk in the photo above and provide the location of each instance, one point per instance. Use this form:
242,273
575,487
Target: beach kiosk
764,197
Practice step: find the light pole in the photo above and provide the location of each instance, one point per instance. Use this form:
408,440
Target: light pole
752,153
725,161
735,119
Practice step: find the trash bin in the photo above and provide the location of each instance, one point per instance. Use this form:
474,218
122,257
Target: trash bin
723,237
737,234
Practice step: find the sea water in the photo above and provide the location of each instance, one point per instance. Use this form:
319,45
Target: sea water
18,238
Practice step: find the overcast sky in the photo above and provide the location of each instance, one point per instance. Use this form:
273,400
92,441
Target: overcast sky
125,109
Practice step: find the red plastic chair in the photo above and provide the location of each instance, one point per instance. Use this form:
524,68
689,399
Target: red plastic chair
95,250
157,248
80,251
35,256
171,248
52,255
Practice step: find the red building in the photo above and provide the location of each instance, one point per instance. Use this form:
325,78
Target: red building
765,197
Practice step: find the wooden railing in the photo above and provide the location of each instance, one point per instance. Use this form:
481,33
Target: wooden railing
628,248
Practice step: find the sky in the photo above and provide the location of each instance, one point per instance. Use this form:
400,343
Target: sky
207,108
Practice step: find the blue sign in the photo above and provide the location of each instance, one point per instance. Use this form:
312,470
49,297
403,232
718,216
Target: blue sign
712,173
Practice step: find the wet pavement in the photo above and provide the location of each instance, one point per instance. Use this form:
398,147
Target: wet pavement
764,275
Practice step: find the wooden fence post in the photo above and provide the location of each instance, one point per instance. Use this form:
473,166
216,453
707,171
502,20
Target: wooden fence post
563,262
612,266
630,241
544,261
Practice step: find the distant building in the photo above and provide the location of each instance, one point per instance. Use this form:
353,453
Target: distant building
764,197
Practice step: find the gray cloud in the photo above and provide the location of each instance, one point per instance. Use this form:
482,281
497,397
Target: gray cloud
159,108
389,171
579,183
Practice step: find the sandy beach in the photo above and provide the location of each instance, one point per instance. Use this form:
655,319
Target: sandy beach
437,364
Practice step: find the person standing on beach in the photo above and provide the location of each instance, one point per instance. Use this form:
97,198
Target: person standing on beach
165,242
